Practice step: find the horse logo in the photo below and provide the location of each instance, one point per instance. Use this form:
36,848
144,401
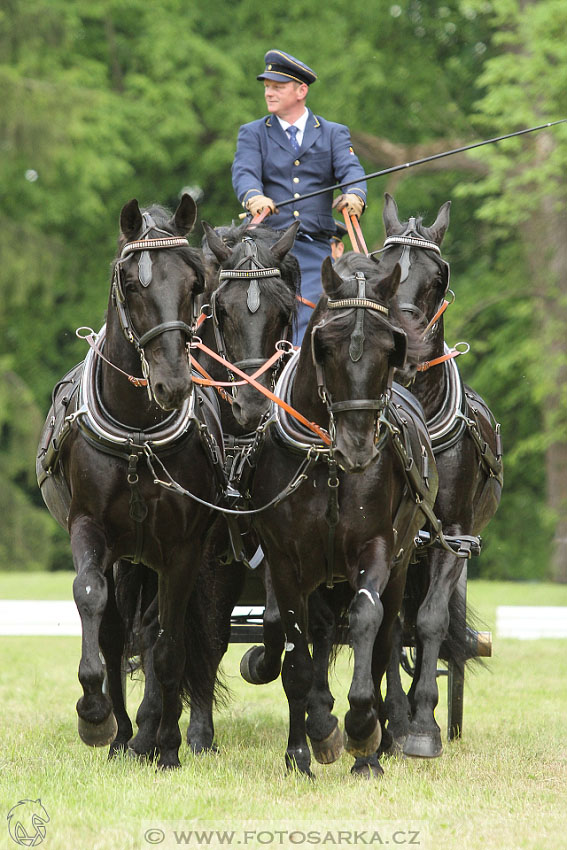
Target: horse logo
26,823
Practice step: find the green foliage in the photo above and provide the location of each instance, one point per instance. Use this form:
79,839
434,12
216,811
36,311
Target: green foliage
111,99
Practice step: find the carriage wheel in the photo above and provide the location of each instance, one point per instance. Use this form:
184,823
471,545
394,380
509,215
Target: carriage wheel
456,678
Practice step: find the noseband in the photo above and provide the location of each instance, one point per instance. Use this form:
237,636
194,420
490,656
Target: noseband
144,244
254,274
363,306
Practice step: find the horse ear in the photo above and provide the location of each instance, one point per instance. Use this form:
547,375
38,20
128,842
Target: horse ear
131,220
392,223
184,216
331,281
221,251
437,230
285,243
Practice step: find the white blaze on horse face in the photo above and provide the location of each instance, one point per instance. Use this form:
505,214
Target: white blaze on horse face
289,647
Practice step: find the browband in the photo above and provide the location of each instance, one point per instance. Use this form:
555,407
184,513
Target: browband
149,244
412,241
235,274
357,302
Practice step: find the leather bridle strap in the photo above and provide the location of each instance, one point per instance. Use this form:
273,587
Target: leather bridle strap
454,352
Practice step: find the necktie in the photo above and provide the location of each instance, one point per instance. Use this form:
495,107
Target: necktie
293,131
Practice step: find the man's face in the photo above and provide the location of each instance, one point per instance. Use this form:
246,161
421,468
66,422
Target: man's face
282,98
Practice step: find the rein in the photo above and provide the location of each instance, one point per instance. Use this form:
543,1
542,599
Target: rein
320,432
91,339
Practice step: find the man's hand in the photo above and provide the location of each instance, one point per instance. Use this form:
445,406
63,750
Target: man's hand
256,204
353,204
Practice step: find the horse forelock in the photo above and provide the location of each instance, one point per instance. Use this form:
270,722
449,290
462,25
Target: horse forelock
191,256
264,238
334,332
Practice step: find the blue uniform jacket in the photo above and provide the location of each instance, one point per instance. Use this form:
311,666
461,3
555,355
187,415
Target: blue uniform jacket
265,164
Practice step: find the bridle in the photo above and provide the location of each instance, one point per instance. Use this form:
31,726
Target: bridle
254,273
364,306
409,239
144,245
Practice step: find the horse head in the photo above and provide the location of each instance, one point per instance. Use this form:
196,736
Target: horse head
357,340
155,279
253,303
424,275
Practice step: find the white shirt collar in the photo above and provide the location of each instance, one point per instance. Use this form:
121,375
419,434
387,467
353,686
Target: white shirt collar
300,124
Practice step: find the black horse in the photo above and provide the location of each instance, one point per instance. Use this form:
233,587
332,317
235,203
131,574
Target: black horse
467,450
253,269
112,439
347,509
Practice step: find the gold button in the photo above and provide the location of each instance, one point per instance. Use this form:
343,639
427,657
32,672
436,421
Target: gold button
296,179
297,195
296,162
295,213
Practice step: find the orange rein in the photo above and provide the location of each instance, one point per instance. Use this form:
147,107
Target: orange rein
354,233
250,379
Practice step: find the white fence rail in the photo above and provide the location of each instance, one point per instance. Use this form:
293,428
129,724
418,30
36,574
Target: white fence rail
60,617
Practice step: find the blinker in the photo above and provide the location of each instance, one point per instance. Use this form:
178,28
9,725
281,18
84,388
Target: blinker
398,354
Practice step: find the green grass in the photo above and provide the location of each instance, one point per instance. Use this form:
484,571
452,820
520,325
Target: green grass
501,787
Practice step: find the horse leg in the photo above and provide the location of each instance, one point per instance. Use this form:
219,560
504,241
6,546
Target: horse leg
424,737
220,585
322,726
397,704
297,670
144,743
97,724
368,766
262,664
175,587
112,641
362,728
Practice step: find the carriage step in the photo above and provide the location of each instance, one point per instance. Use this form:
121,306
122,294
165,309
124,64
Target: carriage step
464,545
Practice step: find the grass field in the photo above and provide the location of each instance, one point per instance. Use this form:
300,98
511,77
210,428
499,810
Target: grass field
502,787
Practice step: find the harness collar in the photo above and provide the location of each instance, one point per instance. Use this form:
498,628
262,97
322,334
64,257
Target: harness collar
98,423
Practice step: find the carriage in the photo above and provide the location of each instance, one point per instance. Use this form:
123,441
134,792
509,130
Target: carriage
243,349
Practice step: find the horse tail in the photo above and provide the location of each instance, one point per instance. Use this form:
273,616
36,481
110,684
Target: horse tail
328,616
201,683
136,588
460,644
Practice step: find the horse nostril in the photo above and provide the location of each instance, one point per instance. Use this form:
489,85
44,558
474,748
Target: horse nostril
159,388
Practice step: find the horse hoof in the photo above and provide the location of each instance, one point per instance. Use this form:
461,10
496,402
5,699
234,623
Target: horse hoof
371,769
423,746
249,666
98,734
363,748
330,749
